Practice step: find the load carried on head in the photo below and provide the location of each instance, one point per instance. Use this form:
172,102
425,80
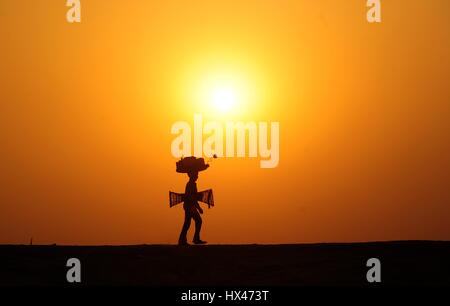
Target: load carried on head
191,164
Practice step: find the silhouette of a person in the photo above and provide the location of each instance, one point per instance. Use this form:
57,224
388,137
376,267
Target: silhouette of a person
192,210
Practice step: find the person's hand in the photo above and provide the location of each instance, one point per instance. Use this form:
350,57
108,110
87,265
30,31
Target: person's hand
200,210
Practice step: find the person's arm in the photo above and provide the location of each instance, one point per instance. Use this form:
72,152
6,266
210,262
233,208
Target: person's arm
200,210
198,198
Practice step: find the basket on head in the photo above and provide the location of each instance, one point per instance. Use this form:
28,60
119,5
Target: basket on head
191,164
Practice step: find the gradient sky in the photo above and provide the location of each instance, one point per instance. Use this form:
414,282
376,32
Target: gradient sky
86,111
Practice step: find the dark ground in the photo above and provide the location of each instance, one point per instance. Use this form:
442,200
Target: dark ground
402,263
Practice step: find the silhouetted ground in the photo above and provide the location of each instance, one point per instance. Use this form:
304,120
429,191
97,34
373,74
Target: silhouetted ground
403,263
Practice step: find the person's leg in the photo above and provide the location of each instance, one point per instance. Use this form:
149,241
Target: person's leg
198,227
185,228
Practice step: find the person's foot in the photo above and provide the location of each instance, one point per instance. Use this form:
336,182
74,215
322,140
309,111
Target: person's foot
183,243
199,241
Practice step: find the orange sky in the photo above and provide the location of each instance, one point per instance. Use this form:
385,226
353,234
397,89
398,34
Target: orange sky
86,111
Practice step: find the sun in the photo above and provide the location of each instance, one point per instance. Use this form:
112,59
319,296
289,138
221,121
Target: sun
221,93
224,98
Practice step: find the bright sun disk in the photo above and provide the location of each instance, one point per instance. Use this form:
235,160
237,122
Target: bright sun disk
224,98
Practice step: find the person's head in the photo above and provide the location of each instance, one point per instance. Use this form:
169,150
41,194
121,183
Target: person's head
193,176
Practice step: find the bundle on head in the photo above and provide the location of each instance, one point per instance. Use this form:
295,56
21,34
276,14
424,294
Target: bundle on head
191,164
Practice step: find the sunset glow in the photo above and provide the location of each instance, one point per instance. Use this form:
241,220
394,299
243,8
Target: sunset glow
87,109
